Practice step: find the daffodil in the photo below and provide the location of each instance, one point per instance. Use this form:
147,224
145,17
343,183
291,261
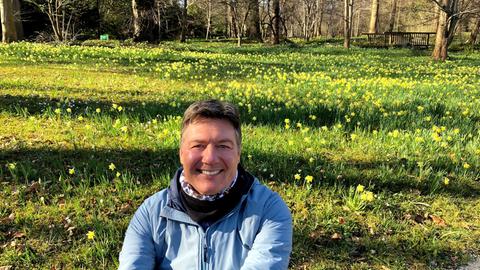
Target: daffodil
111,167
309,179
90,235
360,188
71,171
297,176
367,196
446,181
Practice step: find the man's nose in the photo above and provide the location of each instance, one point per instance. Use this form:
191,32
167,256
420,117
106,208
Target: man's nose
209,155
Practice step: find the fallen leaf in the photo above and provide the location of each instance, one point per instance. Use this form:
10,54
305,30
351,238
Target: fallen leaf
336,236
438,220
6,267
61,202
8,219
316,234
341,220
33,187
18,235
126,207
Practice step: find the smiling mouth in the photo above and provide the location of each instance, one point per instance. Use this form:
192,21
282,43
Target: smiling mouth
210,172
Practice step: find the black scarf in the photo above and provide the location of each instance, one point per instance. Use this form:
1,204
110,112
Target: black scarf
208,212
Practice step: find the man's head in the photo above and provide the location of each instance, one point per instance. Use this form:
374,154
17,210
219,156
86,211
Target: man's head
210,145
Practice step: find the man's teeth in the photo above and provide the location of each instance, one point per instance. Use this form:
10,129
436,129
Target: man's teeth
210,172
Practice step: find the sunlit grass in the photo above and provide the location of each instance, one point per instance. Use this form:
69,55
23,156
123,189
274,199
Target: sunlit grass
88,133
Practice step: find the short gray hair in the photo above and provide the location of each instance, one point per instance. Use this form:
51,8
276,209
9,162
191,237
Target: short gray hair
213,109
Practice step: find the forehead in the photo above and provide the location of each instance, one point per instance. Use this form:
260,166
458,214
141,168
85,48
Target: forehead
208,129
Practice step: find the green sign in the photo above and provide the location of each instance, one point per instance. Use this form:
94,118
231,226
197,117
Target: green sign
104,37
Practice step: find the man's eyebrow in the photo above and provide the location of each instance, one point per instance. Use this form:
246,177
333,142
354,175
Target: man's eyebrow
220,141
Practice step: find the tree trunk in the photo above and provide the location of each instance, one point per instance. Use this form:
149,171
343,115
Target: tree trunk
9,34
231,19
158,11
393,15
373,28
447,23
17,13
321,6
253,21
183,32
474,33
347,26
276,21
135,21
209,18
440,51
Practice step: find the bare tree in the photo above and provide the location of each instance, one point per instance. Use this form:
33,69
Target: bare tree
451,12
276,21
373,28
60,13
253,21
209,18
239,10
393,15
475,30
183,32
347,26
9,34
135,20
17,14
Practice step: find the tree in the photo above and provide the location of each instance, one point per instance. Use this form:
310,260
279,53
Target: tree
209,18
17,17
373,28
9,33
473,35
347,22
239,11
276,21
135,21
393,15
183,21
61,15
253,21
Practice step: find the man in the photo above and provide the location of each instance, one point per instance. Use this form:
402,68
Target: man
214,215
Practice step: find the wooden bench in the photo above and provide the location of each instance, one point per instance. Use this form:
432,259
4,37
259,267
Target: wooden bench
400,39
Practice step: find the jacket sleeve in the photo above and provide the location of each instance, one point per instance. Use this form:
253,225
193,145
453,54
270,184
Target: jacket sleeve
138,251
273,243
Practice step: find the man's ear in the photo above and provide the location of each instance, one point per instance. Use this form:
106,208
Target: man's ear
180,154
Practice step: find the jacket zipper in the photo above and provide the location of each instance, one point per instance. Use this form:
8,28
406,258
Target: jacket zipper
205,251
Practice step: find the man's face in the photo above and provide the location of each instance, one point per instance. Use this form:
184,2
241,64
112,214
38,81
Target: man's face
209,154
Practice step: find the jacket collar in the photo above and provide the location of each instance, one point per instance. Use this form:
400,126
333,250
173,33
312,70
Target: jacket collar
175,210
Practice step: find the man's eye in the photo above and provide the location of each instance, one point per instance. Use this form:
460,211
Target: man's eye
224,146
197,146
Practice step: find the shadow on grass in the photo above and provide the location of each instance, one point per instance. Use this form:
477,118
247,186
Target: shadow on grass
393,251
392,176
274,115
142,166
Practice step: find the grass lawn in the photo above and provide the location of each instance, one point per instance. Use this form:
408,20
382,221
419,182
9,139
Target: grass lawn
376,152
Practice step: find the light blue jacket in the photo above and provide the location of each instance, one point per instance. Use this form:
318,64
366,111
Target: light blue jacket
256,234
